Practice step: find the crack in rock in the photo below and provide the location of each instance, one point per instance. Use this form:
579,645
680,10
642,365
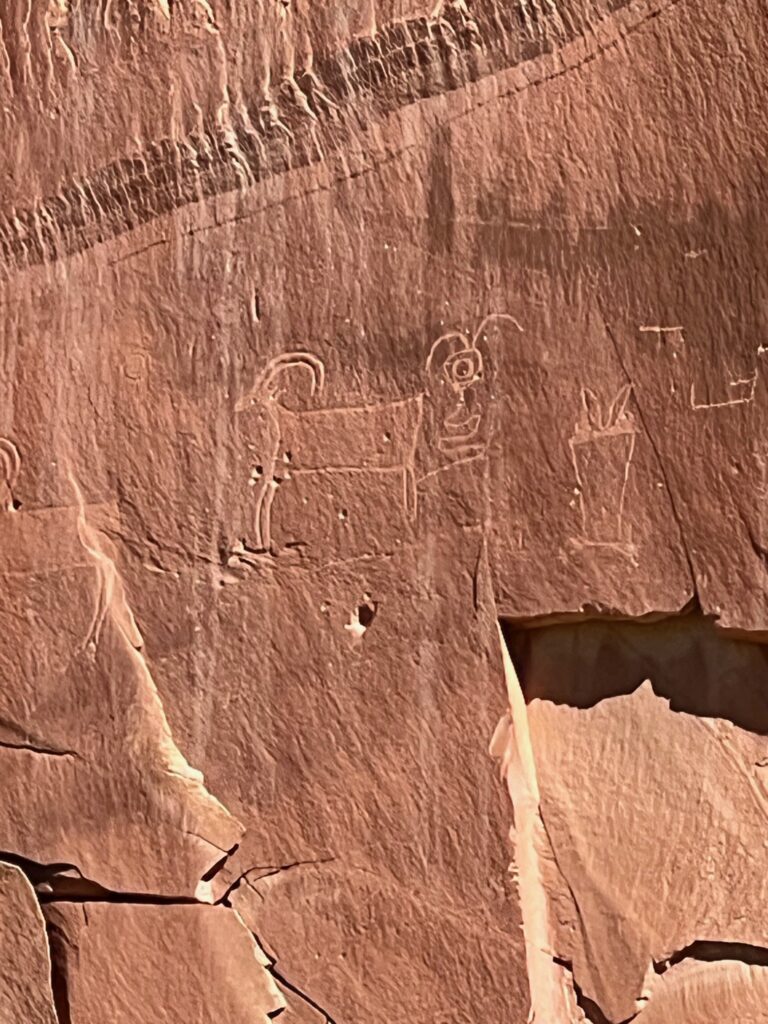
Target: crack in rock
268,871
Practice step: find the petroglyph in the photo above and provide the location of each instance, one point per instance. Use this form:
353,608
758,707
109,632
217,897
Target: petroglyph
664,335
406,440
454,369
601,449
273,468
740,391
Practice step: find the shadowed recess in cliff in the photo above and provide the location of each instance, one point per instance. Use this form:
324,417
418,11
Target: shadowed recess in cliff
712,952
650,744
697,669
313,112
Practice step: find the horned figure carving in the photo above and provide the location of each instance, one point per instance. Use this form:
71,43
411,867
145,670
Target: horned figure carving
269,474
408,439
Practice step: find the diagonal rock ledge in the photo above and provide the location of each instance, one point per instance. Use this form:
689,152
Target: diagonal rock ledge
341,95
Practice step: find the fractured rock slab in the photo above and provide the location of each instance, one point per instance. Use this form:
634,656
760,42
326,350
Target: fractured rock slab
130,964
93,781
642,871
709,993
25,967
364,946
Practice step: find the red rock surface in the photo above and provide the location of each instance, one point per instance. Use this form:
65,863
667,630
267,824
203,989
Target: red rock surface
25,969
334,335
639,888
132,963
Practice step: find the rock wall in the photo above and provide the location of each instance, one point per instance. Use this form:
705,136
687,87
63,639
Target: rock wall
383,460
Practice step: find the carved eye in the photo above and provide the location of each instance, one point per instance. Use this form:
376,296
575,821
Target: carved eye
463,368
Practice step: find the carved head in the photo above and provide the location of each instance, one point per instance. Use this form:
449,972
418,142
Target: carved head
455,362
269,382
457,387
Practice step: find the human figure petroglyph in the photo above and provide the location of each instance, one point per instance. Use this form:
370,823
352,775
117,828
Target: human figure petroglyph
408,439
601,449
454,369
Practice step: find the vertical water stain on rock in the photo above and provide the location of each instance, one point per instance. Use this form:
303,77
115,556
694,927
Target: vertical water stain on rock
441,208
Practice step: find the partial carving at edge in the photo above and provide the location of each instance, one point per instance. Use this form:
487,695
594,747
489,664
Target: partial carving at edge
10,464
736,390
742,393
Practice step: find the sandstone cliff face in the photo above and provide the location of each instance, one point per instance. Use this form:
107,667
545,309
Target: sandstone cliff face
383,460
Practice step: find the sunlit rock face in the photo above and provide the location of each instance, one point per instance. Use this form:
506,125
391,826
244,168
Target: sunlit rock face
382,532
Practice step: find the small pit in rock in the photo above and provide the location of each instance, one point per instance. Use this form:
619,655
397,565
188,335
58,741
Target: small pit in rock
362,618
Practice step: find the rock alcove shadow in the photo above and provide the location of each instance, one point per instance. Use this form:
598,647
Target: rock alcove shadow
646,770
689,662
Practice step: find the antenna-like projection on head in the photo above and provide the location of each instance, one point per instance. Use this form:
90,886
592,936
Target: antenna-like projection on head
489,319
466,344
592,407
619,405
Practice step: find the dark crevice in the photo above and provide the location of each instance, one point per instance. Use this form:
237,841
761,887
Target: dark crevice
65,883
218,866
595,611
283,981
689,661
34,749
22,739
37,872
590,1008
711,952
267,871
59,948
83,891
366,613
